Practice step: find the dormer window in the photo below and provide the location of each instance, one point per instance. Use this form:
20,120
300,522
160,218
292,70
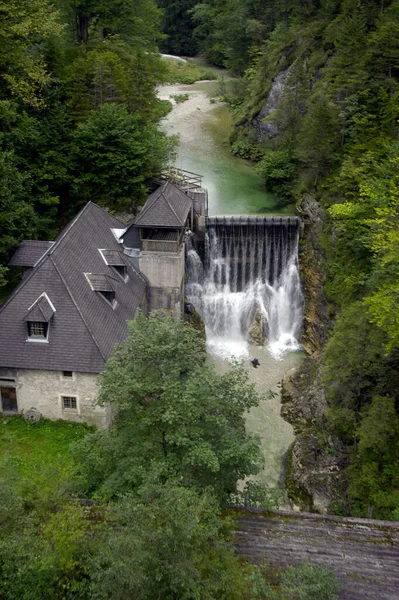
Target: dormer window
121,270
38,318
103,285
115,260
37,330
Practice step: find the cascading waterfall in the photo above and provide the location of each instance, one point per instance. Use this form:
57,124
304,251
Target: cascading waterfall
250,275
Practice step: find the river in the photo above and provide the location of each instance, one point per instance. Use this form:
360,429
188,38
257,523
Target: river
203,127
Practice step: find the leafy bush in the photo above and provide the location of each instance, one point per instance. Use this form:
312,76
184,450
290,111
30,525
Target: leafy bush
244,148
309,582
186,73
277,167
178,98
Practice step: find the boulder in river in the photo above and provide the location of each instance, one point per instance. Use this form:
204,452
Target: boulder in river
258,329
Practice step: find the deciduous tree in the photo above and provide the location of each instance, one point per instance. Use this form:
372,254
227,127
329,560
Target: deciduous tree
174,415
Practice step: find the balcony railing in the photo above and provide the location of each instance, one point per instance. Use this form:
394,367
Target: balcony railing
182,178
160,246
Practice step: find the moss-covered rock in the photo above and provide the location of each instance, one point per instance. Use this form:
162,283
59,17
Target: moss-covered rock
193,318
257,329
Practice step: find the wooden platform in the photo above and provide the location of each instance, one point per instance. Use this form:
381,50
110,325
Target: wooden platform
364,554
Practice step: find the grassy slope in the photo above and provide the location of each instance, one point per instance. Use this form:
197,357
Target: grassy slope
36,457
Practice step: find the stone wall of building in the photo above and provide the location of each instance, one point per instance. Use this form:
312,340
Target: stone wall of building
46,390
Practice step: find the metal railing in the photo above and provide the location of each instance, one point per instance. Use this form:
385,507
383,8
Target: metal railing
182,178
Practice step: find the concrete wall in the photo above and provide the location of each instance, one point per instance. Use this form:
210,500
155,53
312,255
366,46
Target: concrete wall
163,269
44,390
165,272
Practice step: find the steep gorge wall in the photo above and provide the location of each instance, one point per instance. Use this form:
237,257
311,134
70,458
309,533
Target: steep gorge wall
316,469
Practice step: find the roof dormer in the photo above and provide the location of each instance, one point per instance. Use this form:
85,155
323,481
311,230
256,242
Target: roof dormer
38,318
102,284
116,261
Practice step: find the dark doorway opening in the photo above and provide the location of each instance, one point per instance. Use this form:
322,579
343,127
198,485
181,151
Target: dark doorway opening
8,400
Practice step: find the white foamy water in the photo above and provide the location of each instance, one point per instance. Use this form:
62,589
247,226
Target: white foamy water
250,271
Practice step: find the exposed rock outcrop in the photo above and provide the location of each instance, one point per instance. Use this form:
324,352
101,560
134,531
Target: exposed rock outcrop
270,130
193,318
316,473
316,469
258,329
311,261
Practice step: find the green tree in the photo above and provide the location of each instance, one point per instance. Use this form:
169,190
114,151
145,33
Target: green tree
309,582
175,415
47,560
136,22
348,32
277,168
24,27
319,136
384,45
166,542
17,216
178,25
375,478
114,155
353,362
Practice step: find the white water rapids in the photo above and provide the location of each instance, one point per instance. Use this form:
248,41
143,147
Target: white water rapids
250,272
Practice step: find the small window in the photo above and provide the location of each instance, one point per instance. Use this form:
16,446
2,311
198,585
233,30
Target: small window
67,374
121,270
69,402
37,330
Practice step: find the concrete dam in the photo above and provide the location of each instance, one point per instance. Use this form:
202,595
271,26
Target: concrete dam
248,281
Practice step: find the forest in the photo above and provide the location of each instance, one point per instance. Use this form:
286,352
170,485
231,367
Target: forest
79,121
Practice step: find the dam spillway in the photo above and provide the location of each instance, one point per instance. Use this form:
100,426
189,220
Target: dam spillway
248,281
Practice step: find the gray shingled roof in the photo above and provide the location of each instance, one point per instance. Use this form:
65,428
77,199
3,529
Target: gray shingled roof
168,206
29,253
84,328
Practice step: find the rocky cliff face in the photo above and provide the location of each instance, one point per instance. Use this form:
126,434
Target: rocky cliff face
311,260
316,469
270,130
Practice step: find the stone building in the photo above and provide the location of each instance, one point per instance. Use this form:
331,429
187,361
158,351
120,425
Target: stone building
60,325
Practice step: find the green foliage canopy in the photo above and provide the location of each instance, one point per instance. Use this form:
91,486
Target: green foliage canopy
175,415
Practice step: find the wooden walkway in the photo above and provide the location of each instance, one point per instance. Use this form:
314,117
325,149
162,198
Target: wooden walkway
364,554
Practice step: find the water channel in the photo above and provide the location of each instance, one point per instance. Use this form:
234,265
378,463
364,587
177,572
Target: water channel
203,127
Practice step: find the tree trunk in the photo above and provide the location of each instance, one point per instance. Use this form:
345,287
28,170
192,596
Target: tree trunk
82,26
